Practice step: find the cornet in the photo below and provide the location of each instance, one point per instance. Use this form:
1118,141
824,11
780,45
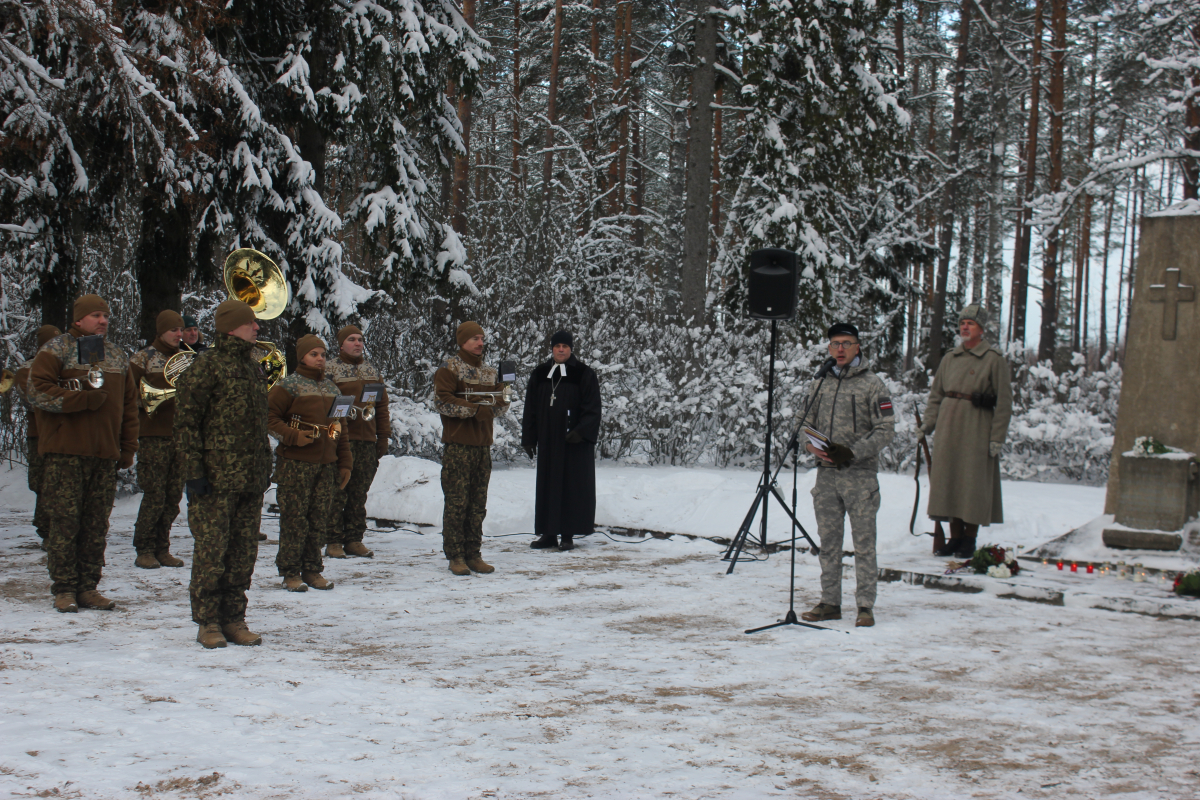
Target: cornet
333,430
489,398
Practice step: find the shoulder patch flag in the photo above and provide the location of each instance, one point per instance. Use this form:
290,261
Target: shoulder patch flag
885,407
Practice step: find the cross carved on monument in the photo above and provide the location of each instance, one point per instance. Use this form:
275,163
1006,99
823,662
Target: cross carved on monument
1171,293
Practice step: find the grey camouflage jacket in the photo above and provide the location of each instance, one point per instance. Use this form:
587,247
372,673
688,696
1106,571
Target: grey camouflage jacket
855,410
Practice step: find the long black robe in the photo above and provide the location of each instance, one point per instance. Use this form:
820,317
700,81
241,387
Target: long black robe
566,473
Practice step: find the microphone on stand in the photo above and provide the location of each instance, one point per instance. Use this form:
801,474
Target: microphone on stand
829,364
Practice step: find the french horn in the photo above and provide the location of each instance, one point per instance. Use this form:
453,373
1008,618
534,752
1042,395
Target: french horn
153,396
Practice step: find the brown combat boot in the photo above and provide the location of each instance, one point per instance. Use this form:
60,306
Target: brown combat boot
210,636
334,550
358,549
167,560
293,584
93,599
866,618
459,567
65,603
477,564
238,633
822,612
316,580
146,561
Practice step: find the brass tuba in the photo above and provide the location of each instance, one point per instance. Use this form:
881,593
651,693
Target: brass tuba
256,280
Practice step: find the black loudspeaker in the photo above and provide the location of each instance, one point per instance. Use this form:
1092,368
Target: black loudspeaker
773,283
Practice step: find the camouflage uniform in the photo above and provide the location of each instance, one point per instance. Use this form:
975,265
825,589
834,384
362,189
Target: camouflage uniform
221,435
304,491
33,457
368,442
854,410
467,458
80,451
158,470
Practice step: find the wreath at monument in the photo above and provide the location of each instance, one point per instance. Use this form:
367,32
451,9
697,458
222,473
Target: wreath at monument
1188,583
995,562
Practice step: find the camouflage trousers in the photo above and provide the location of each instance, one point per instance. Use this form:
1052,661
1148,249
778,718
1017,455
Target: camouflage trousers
839,493
348,513
225,528
161,480
76,498
304,494
466,471
37,466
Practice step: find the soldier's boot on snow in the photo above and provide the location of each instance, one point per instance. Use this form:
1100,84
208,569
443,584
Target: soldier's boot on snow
334,550
966,547
459,567
866,618
952,544
316,580
93,599
822,612
210,636
64,602
358,549
146,561
566,544
167,560
238,633
293,584
477,564
544,542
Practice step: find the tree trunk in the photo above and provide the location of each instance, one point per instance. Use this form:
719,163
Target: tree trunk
1058,60
1020,271
552,112
614,147
161,260
699,166
950,195
999,85
718,114
626,64
637,198
1191,166
462,161
516,115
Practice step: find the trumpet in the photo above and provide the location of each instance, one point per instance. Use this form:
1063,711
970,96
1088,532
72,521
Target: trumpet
366,413
489,398
333,430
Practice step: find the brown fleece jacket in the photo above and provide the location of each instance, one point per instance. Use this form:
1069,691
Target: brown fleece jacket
465,422
148,363
351,375
310,395
65,424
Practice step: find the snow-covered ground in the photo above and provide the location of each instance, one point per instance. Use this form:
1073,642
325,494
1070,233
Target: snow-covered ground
618,670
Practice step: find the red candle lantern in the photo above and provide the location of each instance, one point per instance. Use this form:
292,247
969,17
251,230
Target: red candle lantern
1060,566
1074,567
1091,569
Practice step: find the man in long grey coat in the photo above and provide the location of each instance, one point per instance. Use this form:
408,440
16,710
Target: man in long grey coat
970,405
852,408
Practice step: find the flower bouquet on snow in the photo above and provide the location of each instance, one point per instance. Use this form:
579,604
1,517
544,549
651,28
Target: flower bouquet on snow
1188,583
995,562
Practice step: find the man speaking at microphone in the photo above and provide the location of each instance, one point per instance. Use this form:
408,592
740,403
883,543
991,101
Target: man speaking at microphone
852,408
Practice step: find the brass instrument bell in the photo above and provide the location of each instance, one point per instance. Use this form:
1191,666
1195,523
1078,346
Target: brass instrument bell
366,413
7,381
256,280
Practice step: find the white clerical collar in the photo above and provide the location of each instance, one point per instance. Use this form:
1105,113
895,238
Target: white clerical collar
562,370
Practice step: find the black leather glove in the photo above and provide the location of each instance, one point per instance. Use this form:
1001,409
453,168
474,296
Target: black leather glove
530,450
197,488
839,454
573,437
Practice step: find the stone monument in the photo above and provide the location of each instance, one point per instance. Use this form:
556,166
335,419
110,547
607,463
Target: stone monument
1160,392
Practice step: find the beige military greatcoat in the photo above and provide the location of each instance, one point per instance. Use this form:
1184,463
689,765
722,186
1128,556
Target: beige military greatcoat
965,480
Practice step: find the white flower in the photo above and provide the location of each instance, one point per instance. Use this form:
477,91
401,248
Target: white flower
999,571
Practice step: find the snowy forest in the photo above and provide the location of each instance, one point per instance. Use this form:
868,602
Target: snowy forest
607,166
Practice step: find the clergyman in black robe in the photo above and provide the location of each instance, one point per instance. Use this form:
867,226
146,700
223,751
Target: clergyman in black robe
560,427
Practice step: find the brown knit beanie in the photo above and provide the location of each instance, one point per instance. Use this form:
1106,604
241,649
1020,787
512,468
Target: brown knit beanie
232,314
168,320
46,333
306,344
346,332
467,331
88,304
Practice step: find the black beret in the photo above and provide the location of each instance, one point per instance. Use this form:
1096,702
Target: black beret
842,329
562,337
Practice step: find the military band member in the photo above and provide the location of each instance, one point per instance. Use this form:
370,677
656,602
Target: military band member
970,405
853,409
311,464
369,440
467,457
225,457
191,334
86,433
34,458
157,464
